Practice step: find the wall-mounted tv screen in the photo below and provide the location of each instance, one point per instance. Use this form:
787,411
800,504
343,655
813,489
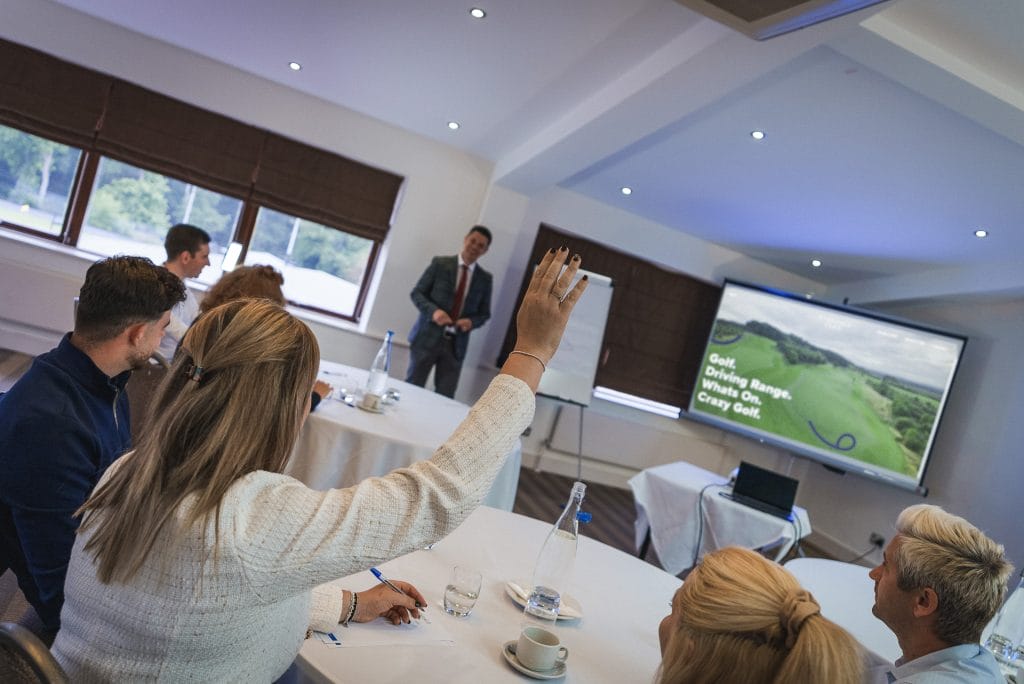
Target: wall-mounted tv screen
857,391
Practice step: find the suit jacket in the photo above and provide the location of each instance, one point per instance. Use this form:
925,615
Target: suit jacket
436,290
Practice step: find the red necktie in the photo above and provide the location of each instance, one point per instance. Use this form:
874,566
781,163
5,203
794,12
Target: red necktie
460,292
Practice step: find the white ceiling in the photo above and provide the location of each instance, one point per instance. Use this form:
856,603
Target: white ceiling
892,133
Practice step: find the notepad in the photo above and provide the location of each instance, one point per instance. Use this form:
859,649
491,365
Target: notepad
380,632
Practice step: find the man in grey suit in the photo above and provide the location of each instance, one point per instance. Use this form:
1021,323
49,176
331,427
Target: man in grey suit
454,297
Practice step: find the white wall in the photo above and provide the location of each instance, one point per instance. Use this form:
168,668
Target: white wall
38,284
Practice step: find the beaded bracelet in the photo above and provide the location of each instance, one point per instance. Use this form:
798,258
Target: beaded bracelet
351,610
543,365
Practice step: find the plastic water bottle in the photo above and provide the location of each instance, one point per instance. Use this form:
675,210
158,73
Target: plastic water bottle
378,378
553,571
1007,638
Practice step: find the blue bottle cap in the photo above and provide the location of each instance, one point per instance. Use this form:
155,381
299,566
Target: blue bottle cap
583,516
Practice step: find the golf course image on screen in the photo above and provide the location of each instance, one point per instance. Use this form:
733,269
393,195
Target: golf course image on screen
855,390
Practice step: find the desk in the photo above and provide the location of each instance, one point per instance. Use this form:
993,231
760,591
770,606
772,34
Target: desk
341,445
846,594
623,600
666,506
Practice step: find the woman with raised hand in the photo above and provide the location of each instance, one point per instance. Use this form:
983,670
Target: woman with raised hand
742,619
197,558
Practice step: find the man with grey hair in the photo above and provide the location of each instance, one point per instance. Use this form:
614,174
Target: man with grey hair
940,582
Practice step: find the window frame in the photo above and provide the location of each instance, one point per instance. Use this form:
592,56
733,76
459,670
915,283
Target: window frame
81,193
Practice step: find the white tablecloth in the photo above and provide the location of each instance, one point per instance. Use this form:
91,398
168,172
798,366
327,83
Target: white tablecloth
846,595
623,600
666,504
340,445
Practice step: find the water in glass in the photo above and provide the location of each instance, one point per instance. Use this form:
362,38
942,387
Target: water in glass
459,601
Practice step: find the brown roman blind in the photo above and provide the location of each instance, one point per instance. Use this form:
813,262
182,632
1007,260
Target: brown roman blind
658,322
305,181
49,97
65,102
157,132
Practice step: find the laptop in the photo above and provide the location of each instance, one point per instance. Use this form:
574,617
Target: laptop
764,490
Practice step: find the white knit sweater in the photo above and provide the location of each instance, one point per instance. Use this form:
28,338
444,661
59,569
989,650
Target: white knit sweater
279,541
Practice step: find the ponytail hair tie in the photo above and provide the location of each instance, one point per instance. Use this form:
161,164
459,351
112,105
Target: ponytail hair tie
794,611
194,373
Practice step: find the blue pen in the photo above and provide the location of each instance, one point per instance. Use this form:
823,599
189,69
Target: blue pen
380,576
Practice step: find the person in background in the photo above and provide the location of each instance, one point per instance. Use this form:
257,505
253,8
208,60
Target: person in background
197,532
454,297
188,253
940,582
740,618
258,282
67,419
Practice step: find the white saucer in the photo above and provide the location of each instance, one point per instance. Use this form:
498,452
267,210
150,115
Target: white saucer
368,410
574,612
509,651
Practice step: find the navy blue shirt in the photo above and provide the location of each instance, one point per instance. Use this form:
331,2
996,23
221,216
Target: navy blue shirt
61,426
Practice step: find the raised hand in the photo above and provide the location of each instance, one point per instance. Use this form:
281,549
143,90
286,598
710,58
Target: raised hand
547,304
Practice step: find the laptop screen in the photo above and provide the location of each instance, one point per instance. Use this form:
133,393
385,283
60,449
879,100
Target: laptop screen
765,486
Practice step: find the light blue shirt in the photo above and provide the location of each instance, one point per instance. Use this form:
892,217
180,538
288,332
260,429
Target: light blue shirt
963,664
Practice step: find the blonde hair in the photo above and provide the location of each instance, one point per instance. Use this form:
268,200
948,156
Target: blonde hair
743,618
966,570
257,282
232,403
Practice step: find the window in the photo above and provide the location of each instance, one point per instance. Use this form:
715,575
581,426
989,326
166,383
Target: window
130,210
36,177
95,162
323,268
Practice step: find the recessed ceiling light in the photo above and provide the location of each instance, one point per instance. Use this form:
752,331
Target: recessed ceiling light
816,263
627,191
453,125
981,233
757,135
477,13
294,66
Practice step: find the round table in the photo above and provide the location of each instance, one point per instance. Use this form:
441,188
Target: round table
623,599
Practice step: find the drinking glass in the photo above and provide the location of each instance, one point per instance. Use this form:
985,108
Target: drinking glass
462,591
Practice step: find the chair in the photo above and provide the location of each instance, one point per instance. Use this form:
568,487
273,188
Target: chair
24,659
14,607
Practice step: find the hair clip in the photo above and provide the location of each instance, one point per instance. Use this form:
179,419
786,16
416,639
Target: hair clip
194,373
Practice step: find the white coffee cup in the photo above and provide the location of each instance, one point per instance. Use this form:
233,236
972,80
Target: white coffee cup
539,650
371,402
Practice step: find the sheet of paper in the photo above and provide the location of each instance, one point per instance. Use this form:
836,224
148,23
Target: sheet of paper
382,633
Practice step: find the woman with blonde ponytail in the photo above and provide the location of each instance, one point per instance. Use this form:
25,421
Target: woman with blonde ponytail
742,619
198,559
